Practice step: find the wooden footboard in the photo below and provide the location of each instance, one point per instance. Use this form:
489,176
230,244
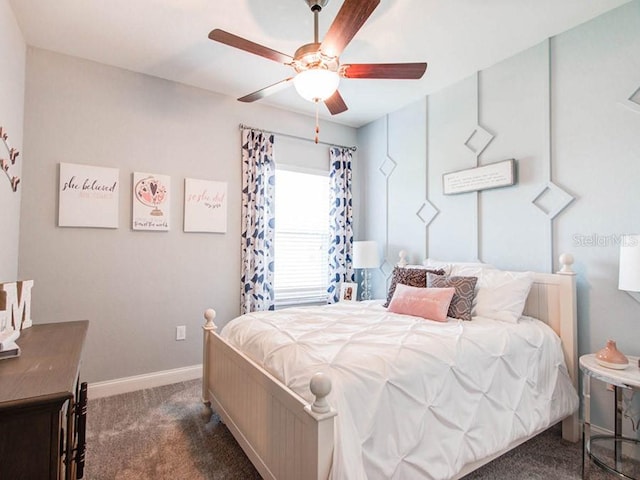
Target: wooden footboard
283,436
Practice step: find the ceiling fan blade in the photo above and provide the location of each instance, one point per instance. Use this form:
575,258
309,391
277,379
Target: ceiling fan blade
350,18
401,71
335,103
248,46
270,90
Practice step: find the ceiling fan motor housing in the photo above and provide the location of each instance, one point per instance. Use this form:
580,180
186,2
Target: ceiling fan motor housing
316,5
309,56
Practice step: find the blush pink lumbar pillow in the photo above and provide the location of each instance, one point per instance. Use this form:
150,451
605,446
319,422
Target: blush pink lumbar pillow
431,303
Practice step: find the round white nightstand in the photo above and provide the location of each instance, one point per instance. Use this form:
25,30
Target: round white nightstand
629,378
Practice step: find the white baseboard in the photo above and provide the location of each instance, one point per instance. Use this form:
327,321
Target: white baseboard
140,382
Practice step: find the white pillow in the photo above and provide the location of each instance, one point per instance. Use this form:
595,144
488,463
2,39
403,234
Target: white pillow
462,269
502,294
470,269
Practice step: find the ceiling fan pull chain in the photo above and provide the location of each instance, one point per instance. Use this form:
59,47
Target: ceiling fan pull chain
317,124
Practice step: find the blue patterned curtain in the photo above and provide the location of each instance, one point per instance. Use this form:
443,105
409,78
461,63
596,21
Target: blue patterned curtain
258,222
341,226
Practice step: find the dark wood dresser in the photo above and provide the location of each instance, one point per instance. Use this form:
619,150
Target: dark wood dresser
43,405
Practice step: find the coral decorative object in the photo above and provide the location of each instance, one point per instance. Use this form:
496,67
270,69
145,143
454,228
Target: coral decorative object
611,357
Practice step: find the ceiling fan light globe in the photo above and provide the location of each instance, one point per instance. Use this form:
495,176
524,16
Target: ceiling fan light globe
316,85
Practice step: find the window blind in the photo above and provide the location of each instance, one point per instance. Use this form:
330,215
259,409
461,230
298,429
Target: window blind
301,238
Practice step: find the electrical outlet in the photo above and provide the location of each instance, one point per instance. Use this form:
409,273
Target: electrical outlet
181,332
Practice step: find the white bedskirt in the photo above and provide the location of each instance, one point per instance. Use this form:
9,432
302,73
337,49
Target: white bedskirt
415,398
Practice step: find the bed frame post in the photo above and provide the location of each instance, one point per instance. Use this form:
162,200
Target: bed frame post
209,326
569,335
321,411
284,436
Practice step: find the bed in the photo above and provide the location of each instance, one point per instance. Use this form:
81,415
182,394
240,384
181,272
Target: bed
428,416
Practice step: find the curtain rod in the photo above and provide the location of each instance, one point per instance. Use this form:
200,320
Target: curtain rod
242,125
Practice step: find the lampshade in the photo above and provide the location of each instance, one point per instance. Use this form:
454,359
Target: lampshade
630,263
316,84
365,254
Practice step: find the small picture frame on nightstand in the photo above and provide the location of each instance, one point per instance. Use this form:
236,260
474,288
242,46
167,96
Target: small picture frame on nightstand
348,292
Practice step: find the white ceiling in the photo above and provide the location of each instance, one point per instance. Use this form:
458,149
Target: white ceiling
168,39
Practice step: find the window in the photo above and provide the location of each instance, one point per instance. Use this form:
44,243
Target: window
301,237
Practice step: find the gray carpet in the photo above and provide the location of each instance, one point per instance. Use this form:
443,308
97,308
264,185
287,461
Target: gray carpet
166,433
161,433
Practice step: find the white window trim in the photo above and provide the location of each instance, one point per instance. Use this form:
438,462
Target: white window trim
299,169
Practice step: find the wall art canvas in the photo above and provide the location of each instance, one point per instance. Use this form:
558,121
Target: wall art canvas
205,206
151,202
88,196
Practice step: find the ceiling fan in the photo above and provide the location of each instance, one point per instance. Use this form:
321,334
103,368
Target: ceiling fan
317,65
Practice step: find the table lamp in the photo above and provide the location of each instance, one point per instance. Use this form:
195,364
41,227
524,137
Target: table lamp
365,256
629,279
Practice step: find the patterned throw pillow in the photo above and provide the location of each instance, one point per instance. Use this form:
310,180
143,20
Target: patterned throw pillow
414,277
462,301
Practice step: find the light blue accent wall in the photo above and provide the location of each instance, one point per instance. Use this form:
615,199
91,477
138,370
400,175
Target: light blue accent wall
514,105
408,182
568,111
452,119
394,148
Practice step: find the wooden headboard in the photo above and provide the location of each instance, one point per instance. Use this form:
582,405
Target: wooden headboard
552,299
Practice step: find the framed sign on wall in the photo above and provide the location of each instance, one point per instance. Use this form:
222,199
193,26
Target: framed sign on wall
88,196
493,175
205,206
151,202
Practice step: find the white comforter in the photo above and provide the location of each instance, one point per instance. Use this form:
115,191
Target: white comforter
415,398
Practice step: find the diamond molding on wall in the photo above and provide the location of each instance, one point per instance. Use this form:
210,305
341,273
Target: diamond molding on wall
552,200
633,102
479,140
388,166
386,269
427,212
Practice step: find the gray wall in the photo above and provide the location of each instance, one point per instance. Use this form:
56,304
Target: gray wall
562,109
134,286
12,68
